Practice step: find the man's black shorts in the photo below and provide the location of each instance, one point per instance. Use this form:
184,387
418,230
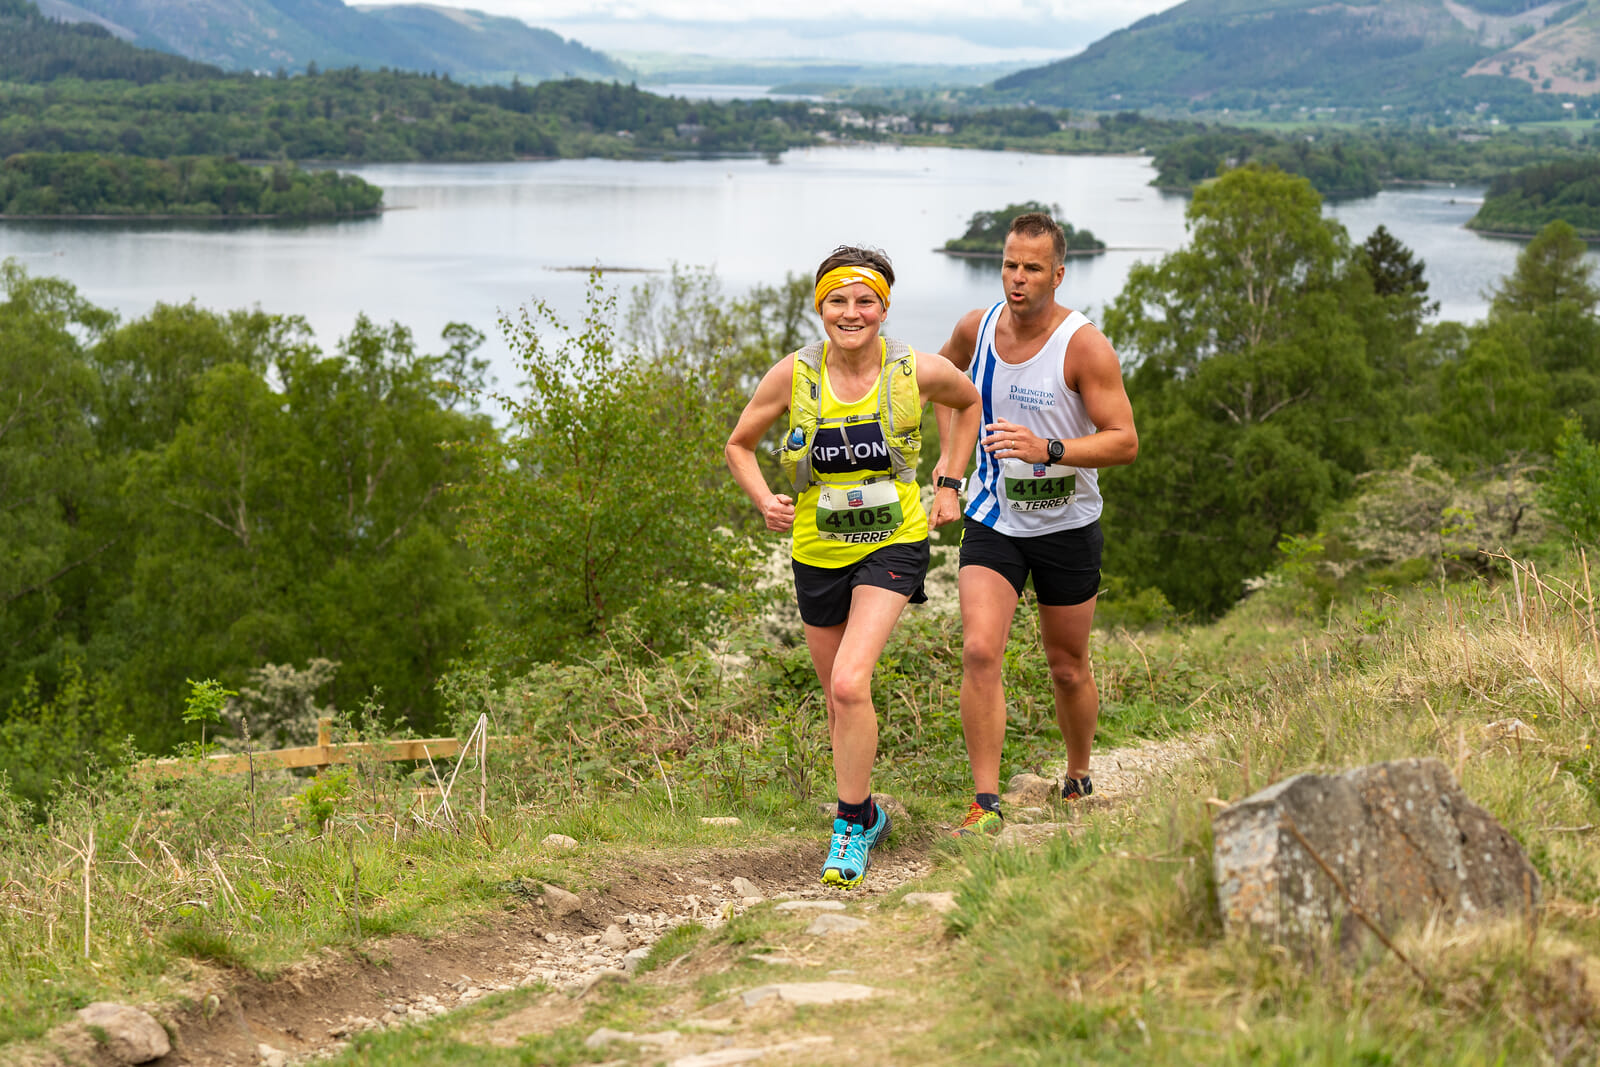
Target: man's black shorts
824,592
1065,564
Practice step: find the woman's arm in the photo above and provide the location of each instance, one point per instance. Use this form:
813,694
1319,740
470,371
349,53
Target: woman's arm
770,401
950,391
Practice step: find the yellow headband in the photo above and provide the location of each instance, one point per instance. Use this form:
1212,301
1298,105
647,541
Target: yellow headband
839,277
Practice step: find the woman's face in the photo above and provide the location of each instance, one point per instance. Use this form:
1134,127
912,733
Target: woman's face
851,316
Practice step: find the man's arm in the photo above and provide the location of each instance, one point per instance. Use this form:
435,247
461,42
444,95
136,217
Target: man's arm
959,349
952,392
1091,368
770,400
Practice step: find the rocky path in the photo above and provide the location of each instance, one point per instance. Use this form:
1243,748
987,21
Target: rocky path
568,944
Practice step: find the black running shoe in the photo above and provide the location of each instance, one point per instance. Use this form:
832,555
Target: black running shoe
1076,788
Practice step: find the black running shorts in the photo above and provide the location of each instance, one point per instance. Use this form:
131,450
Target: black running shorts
1065,564
824,592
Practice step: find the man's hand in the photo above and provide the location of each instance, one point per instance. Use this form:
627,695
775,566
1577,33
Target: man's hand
946,507
778,511
1007,440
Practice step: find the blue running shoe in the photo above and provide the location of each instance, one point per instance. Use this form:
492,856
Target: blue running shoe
850,854
839,853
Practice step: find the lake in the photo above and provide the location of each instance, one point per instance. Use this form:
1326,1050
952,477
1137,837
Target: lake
464,242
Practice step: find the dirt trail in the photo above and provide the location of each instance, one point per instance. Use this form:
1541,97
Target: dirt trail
316,1006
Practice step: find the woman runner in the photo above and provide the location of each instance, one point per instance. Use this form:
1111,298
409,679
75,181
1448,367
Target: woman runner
860,534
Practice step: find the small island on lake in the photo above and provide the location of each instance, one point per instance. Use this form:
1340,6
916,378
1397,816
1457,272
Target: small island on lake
986,232
88,185
1522,203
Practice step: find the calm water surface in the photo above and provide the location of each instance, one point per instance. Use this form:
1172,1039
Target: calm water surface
468,241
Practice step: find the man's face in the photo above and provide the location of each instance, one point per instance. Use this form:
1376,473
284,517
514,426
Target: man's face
1029,271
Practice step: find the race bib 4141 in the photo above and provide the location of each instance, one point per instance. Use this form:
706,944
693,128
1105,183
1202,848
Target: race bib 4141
1037,486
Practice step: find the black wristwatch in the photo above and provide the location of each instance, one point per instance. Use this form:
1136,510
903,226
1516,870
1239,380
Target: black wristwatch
946,482
1055,450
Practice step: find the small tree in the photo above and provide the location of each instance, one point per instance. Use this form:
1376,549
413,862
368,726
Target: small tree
205,704
1550,271
1572,492
606,505
1397,274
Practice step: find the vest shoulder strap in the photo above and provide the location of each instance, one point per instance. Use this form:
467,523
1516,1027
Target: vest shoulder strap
899,402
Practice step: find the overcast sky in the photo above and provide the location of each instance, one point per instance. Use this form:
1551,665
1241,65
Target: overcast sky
899,31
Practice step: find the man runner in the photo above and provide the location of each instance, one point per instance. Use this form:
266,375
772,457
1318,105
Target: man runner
1054,412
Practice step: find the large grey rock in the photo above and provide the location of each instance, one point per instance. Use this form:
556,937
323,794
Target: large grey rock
131,1035
1402,836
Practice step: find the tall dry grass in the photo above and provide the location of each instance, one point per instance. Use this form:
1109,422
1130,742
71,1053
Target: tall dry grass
1107,946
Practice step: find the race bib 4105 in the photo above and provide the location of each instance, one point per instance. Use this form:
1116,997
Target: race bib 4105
859,514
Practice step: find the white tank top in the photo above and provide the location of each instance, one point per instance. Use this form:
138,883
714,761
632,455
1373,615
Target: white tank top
1028,499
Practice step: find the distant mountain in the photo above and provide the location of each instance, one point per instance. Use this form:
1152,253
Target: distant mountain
1563,57
675,68
34,48
1251,53
268,34
478,47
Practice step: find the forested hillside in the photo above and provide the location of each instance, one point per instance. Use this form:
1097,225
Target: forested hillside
352,114
1528,200
1359,163
473,46
88,184
38,49
199,494
1294,407
264,35
1404,54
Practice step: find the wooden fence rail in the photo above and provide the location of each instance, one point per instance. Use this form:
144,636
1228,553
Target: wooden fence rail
322,754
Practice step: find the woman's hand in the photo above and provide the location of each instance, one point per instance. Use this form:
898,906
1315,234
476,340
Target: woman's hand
946,507
778,511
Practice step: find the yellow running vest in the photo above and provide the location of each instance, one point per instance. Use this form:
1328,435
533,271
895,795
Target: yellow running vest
854,504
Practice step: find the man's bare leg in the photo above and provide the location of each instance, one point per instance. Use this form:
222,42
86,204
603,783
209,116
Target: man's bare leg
988,603
1065,631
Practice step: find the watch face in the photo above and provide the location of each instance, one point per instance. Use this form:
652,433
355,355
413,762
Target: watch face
1056,449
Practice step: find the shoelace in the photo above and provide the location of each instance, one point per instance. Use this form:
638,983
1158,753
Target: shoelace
974,814
844,841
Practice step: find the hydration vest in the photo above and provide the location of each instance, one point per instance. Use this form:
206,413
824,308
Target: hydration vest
899,412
